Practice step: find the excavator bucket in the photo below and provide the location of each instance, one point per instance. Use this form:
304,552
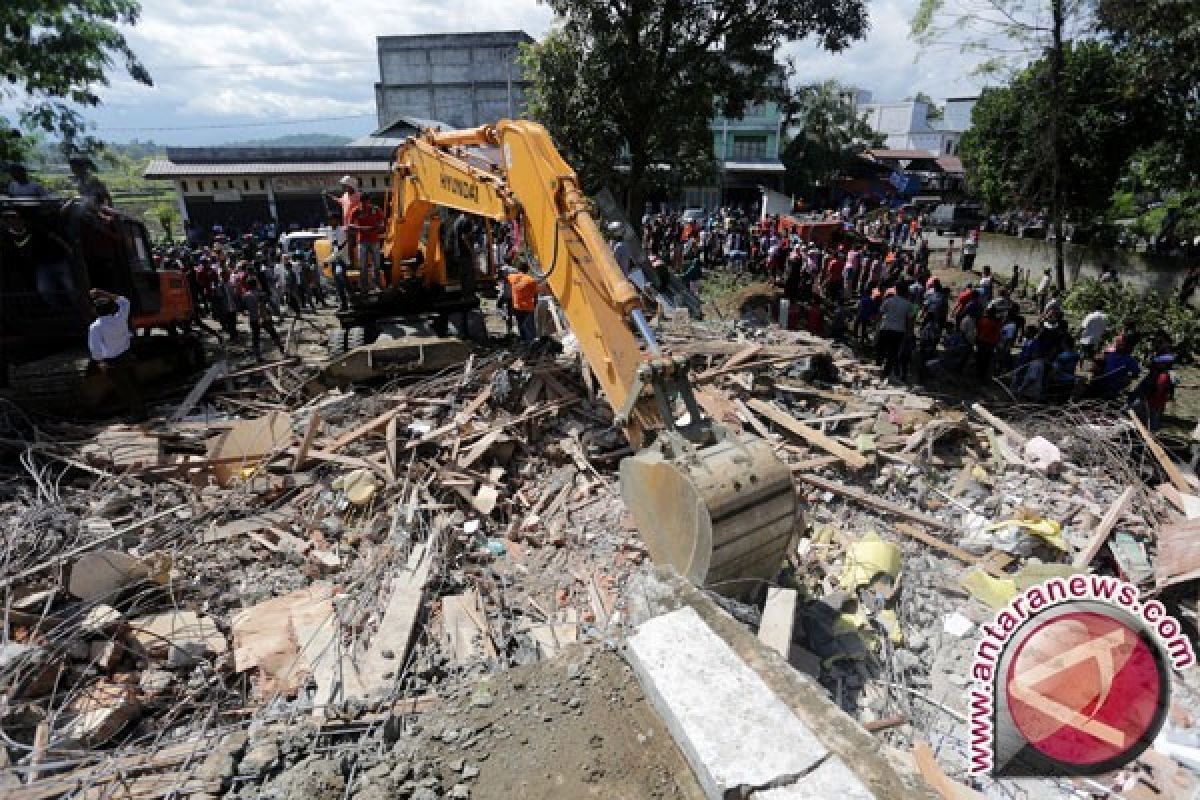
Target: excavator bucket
721,515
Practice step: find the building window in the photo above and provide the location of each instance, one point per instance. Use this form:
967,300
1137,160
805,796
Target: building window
183,186
748,148
246,185
949,147
372,181
262,184
230,182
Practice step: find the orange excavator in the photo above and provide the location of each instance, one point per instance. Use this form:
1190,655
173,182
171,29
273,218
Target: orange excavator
719,507
51,254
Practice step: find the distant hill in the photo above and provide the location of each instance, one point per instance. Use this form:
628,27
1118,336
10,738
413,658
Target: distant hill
297,140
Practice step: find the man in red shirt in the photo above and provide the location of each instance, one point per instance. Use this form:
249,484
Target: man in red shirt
833,279
987,336
367,223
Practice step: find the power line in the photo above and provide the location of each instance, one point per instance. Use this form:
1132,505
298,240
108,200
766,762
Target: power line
297,63
235,124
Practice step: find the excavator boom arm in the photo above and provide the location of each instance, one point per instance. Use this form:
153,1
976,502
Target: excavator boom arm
719,508
535,186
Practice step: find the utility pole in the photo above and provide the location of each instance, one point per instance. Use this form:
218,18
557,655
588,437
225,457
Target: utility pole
1056,188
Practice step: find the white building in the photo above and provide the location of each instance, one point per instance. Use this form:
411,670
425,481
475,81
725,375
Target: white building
906,125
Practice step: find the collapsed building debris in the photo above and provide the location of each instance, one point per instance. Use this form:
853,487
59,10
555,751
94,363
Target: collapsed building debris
285,583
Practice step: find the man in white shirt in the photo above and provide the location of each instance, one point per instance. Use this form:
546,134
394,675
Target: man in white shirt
1091,338
109,341
1043,289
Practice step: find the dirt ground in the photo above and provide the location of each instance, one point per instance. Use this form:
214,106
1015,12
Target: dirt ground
572,727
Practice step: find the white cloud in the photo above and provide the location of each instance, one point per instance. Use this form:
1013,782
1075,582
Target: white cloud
228,35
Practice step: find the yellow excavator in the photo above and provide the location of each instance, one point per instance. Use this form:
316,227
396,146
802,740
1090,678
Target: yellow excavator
719,507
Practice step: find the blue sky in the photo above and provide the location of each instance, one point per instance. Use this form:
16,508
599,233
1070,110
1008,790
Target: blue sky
209,89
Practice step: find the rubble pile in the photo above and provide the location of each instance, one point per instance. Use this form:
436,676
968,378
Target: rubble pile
280,583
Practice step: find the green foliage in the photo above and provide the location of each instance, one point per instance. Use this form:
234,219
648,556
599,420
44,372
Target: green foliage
830,139
1145,313
647,78
53,58
165,217
1161,41
1008,152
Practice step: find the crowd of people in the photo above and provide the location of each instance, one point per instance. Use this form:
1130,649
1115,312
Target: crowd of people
872,284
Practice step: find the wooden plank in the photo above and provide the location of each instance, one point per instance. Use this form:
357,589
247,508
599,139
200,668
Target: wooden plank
740,357
877,503
914,532
391,438
999,424
283,362
217,370
837,397
1100,535
472,407
478,449
459,629
778,620
1164,459
755,422
314,425
791,424
946,787
813,463
346,461
362,430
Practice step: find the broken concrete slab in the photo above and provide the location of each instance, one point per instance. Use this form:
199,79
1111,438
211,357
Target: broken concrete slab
100,574
832,778
778,620
181,636
723,717
97,714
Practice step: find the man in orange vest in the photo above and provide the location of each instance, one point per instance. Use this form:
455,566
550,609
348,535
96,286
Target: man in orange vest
524,301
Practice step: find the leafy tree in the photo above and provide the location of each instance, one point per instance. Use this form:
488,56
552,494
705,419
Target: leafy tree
55,55
1007,34
647,77
1007,152
1161,40
830,136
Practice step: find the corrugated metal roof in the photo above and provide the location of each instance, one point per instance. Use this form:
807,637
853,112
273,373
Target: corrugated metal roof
162,168
951,164
753,166
903,155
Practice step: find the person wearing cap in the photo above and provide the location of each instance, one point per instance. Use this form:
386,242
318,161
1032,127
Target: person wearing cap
349,200
108,342
1149,399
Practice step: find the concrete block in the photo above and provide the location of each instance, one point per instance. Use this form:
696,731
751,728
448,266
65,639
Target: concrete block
736,734
831,779
778,620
